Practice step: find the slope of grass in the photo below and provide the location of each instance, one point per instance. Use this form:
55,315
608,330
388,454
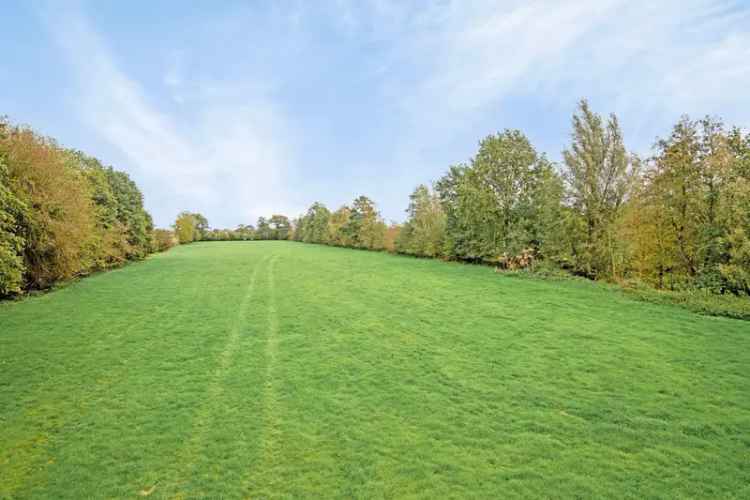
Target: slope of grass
275,369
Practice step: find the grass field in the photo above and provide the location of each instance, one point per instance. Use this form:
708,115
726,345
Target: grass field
278,369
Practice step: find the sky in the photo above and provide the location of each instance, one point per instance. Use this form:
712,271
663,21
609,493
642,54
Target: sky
242,109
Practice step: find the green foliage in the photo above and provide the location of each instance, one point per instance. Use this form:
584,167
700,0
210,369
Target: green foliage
185,228
130,212
690,221
338,222
736,270
277,227
358,226
599,175
280,227
201,226
734,216
162,240
505,204
700,301
12,213
59,225
244,232
424,232
263,230
313,226
678,221
123,227
364,228
62,214
458,234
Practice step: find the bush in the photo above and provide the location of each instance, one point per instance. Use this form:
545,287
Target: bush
162,240
700,301
11,243
62,214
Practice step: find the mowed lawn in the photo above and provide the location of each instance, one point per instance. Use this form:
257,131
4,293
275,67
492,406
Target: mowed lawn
278,369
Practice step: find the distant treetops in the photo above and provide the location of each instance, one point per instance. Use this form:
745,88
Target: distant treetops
679,219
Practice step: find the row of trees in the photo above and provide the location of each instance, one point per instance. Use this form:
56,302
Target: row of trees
679,219
357,226
63,213
688,220
191,227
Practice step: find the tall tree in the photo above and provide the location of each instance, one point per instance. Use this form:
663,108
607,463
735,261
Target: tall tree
365,228
201,226
512,186
697,193
735,216
263,229
338,223
505,203
424,231
245,232
599,174
315,224
458,233
280,227
184,228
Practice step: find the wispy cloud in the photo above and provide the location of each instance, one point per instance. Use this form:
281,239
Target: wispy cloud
667,57
219,158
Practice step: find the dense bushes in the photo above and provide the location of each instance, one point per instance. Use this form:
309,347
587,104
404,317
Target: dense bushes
62,213
163,240
11,242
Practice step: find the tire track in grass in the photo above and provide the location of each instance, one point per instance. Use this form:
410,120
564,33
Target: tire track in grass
271,424
188,456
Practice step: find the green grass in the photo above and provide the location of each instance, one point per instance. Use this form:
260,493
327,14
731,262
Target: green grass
276,369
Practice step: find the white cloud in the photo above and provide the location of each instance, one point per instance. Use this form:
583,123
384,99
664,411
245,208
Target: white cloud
449,71
670,56
482,53
220,159
649,60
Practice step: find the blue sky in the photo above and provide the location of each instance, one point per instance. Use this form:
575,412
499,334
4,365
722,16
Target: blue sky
241,109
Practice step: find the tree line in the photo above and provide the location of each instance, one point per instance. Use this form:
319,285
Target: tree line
358,225
679,219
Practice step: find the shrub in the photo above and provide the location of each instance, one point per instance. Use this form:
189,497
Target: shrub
162,240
